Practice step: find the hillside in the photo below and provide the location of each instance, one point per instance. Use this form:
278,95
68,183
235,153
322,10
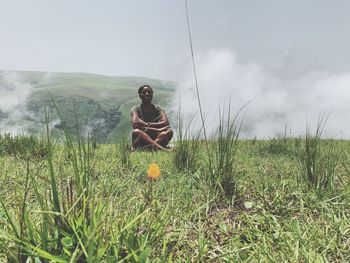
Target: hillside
99,104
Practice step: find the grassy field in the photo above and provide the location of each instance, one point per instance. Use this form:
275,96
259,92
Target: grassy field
279,200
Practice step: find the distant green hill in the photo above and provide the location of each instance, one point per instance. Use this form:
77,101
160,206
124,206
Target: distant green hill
100,105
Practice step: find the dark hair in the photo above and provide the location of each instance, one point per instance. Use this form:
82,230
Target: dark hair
144,86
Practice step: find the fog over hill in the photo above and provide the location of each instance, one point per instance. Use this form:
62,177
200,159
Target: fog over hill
282,96
281,100
101,103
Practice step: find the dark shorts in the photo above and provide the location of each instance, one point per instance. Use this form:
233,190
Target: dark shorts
144,145
153,135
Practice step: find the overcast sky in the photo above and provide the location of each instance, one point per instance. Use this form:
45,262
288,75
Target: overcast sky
149,37
291,56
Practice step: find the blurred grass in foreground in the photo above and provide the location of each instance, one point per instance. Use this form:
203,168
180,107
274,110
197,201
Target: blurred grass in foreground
83,205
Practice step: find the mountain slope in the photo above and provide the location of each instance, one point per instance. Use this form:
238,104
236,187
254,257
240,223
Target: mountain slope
100,105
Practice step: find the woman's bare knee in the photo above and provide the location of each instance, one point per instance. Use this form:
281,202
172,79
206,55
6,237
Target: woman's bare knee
136,132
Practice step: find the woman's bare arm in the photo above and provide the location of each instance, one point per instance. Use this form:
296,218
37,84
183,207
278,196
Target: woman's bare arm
136,121
163,121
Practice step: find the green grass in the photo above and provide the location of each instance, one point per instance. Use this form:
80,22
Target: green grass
319,159
102,208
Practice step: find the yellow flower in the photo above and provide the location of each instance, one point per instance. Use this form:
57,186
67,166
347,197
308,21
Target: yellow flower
153,171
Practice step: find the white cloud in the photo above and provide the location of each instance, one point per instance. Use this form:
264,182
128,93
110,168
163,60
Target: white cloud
14,93
278,100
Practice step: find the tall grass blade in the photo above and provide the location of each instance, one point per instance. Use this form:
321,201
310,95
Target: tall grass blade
319,160
55,196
